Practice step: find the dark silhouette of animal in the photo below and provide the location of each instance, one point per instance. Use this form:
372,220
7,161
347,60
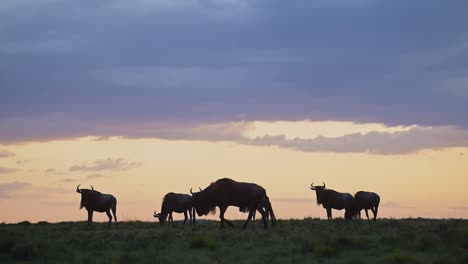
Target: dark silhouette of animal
331,199
95,201
367,200
249,197
176,202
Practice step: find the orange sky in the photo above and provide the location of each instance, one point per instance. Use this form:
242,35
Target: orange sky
42,176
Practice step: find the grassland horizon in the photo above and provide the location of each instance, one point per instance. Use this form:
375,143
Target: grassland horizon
290,241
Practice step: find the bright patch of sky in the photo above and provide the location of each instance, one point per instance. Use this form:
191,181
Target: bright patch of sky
311,129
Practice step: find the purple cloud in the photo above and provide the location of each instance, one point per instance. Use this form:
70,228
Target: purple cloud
395,63
402,142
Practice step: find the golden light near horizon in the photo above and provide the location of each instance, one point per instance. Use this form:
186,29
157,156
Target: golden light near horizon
140,171
313,129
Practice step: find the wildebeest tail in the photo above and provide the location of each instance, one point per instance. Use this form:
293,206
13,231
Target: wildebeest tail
269,210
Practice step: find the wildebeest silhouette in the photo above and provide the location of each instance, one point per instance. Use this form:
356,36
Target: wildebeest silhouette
249,197
367,200
176,202
95,201
331,199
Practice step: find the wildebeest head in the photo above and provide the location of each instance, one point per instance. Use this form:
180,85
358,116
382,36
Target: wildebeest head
160,217
318,191
201,202
86,195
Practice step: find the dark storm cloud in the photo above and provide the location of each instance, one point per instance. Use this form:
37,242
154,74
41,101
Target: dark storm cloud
71,68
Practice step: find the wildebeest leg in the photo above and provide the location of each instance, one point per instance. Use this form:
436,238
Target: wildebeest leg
264,216
222,210
185,217
270,213
193,213
359,213
190,215
170,218
367,214
329,213
251,213
110,216
90,217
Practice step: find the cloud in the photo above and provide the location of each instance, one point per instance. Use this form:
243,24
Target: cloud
198,62
135,129
69,180
4,170
415,139
95,176
108,164
374,138
6,154
7,190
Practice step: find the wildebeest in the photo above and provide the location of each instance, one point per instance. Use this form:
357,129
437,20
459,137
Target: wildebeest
331,199
95,201
176,202
249,197
367,200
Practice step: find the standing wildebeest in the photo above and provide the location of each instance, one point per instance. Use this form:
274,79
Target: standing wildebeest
331,199
176,202
95,201
367,200
249,197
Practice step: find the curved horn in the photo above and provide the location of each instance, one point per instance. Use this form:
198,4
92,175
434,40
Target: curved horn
78,188
154,213
323,185
92,188
191,191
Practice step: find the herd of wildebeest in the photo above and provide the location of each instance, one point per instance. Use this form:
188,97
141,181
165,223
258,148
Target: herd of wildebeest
248,197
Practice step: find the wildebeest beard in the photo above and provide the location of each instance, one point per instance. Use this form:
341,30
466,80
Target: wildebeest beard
88,197
319,198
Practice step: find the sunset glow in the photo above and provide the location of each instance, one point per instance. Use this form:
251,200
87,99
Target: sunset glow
140,171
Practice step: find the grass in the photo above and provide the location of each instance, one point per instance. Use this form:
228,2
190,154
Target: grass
291,241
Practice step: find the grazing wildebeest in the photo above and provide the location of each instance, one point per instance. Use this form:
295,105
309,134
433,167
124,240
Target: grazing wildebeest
176,202
95,201
249,197
367,200
331,199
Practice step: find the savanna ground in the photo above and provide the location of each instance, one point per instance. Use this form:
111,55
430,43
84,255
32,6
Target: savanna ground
290,241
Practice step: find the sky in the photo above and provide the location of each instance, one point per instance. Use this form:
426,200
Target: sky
140,98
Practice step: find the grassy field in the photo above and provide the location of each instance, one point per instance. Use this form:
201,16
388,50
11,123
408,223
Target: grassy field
291,241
